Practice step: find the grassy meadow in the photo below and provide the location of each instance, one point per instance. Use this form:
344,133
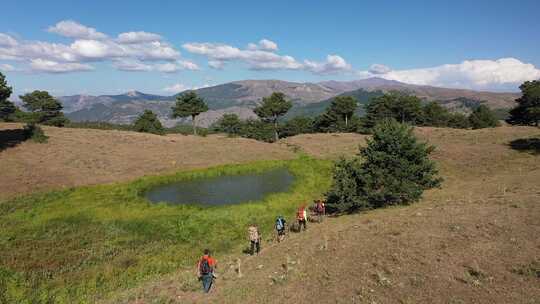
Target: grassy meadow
78,245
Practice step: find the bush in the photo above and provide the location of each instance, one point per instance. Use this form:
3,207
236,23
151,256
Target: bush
297,125
258,130
228,123
148,122
35,133
483,117
458,121
395,170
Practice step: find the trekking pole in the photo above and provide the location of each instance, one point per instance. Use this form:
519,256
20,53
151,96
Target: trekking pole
238,264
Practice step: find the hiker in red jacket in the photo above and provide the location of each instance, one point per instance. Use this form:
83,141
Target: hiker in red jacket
301,217
205,270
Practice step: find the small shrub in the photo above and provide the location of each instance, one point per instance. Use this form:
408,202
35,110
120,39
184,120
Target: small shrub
35,133
148,122
483,117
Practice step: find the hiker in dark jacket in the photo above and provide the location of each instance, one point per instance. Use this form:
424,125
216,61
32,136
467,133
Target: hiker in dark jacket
205,270
281,225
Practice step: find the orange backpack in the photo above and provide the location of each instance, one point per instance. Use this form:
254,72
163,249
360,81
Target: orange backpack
300,214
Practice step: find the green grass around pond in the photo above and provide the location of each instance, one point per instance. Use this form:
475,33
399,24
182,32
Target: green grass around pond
78,245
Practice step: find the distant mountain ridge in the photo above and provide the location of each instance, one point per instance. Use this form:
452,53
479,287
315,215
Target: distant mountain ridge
241,97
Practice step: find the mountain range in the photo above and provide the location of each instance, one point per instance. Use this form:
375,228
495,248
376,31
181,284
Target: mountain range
241,97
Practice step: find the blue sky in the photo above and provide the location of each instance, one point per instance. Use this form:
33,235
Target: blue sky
70,47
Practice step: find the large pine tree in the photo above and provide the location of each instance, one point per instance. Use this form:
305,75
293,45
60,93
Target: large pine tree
6,107
527,112
189,105
393,169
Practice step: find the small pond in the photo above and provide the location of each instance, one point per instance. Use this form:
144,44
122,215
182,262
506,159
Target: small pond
223,190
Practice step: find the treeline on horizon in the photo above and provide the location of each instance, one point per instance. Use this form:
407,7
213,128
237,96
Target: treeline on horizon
339,116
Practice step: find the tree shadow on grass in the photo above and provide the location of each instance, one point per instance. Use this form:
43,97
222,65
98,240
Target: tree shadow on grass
530,145
10,138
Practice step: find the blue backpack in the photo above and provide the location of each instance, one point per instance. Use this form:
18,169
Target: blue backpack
280,223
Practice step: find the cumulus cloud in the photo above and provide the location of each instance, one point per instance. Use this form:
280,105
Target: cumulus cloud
333,64
138,37
180,87
129,65
49,66
379,69
7,67
125,52
216,64
72,29
501,74
7,40
264,44
263,57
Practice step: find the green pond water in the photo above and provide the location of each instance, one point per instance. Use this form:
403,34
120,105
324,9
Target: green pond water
223,190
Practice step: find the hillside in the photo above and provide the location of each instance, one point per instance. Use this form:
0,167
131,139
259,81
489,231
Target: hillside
472,241
241,96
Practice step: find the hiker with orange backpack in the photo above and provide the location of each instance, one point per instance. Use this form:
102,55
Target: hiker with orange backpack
205,270
301,217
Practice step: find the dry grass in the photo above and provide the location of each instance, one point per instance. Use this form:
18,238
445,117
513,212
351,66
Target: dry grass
467,242
75,157
475,240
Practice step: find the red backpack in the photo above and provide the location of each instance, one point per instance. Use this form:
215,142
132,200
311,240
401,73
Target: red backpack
300,213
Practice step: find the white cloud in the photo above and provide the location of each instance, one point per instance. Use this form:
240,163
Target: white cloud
498,74
259,59
131,66
176,66
7,40
379,69
216,64
180,87
126,52
7,67
333,64
49,66
138,37
72,29
264,44
176,88
268,45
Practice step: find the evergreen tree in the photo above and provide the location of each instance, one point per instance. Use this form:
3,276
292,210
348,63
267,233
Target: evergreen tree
458,121
230,124
403,108
273,107
435,115
527,112
483,117
189,104
344,107
395,169
6,107
148,122
45,108
297,125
